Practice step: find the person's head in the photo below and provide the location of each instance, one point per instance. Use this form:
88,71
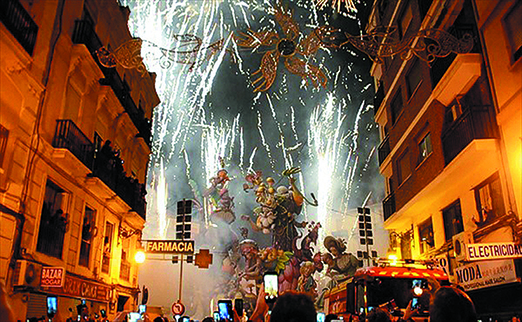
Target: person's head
208,319
330,317
293,307
158,319
328,259
307,268
378,315
450,304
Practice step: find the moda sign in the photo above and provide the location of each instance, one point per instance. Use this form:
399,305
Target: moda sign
478,275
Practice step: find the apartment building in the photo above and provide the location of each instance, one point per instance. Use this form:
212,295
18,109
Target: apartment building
451,137
75,141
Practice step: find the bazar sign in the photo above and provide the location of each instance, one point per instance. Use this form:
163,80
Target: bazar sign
169,246
485,274
476,252
76,287
52,277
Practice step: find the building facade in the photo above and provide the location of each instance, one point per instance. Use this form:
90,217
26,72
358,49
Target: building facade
74,147
451,142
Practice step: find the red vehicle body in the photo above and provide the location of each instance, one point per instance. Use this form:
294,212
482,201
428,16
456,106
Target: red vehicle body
390,287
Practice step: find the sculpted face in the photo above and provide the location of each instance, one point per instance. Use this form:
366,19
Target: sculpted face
334,251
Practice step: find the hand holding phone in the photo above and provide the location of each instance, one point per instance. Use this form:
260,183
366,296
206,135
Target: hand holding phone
271,284
225,310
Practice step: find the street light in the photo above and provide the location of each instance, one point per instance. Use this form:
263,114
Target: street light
139,257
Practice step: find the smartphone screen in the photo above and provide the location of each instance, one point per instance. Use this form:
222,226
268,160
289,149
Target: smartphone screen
320,317
142,309
225,310
52,305
271,284
184,319
216,316
415,303
238,306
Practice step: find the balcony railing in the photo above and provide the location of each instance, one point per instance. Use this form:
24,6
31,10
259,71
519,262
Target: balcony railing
384,149
441,65
19,23
388,205
474,123
70,137
106,167
84,33
378,98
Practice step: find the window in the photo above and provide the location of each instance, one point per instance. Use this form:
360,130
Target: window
425,148
53,222
107,247
396,106
405,20
426,236
124,266
4,134
452,217
406,245
89,230
489,201
414,78
513,26
404,167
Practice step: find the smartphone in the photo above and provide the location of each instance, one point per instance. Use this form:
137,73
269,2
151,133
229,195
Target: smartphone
216,316
133,317
321,317
238,306
271,284
225,310
52,305
184,319
415,303
142,308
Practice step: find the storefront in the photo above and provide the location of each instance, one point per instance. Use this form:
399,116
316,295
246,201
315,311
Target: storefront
71,293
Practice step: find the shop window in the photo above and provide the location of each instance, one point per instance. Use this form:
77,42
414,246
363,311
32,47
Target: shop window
489,201
513,27
53,222
414,78
425,147
426,236
4,134
452,217
405,20
89,231
396,106
107,247
404,167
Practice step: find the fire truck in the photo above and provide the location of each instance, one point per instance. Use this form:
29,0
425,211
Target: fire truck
390,285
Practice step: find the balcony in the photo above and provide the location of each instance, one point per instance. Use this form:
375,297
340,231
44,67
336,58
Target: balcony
19,23
69,136
441,65
384,149
107,168
388,205
474,123
84,33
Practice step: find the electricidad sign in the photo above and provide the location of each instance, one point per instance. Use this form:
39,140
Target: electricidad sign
476,252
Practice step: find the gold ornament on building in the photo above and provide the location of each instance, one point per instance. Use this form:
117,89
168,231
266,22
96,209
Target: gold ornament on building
426,44
287,47
127,55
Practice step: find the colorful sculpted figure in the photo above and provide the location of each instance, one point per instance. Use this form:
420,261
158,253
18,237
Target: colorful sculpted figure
218,194
306,282
341,265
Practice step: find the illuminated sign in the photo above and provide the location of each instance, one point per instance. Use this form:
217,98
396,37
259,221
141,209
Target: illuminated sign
169,246
81,288
52,277
477,252
478,275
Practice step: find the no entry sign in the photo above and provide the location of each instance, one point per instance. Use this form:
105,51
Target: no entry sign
178,308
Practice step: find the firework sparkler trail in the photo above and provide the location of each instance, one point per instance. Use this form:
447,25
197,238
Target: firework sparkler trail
210,112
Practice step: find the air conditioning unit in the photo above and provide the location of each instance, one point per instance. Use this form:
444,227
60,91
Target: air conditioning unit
27,273
460,243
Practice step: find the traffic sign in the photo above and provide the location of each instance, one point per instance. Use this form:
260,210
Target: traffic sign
178,308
